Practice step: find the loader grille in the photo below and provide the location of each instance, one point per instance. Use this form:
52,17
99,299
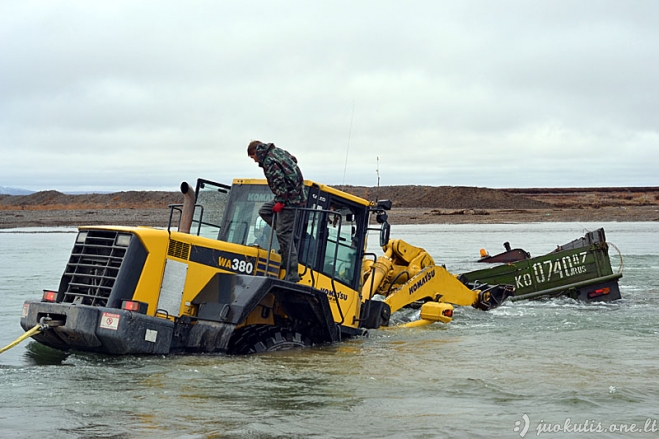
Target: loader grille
179,249
93,267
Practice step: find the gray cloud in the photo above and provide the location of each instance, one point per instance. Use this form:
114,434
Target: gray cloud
137,95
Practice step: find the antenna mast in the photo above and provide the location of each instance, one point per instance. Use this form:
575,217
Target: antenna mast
352,116
377,171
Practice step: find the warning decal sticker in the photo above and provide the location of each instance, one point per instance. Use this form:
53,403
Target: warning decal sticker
110,321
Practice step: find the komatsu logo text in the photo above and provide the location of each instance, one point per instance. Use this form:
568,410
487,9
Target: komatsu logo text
421,282
332,295
260,197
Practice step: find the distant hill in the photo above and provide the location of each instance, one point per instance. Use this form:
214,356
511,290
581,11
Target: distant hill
54,200
432,197
449,197
5,190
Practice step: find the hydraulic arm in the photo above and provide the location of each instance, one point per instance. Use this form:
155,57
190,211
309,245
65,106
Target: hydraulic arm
407,274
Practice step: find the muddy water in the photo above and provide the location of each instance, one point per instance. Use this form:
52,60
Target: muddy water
526,364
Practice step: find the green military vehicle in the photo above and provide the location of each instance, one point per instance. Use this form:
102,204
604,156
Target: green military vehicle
580,269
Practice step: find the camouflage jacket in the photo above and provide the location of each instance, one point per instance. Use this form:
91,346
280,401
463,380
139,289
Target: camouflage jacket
283,175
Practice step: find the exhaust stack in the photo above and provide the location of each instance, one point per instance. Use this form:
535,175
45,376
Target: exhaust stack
188,208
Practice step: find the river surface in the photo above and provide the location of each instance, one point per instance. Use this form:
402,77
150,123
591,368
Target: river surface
523,369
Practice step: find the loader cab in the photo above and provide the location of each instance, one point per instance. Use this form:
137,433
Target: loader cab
333,235
330,231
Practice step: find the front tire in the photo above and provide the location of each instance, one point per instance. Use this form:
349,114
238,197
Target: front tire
262,338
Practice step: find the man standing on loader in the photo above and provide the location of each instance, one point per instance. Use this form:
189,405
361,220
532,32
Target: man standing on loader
286,182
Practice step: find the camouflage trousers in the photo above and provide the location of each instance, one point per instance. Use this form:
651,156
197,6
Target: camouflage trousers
284,229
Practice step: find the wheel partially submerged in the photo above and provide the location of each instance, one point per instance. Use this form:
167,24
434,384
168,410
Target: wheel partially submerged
264,338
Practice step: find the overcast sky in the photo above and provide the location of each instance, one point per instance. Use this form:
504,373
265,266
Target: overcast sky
133,95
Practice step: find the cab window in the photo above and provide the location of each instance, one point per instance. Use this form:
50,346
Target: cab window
212,199
242,223
341,249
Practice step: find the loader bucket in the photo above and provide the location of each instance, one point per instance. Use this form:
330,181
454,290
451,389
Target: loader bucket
491,296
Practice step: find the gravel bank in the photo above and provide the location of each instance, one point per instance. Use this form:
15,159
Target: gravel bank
73,218
159,217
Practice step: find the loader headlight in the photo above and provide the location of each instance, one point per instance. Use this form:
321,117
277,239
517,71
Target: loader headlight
123,240
437,312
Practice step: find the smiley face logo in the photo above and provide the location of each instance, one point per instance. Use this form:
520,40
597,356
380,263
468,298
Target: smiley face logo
522,429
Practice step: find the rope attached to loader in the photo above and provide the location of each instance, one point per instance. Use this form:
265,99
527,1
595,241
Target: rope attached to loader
37,329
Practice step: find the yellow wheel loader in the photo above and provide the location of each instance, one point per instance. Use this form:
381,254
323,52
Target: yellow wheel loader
213,281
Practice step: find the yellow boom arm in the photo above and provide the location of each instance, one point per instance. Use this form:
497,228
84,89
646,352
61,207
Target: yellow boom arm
408,274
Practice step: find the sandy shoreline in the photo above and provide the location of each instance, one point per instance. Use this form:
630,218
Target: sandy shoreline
159,217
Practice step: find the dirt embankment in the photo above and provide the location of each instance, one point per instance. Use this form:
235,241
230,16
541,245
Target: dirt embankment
52,208
465,205
412,204
53,200
446,197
